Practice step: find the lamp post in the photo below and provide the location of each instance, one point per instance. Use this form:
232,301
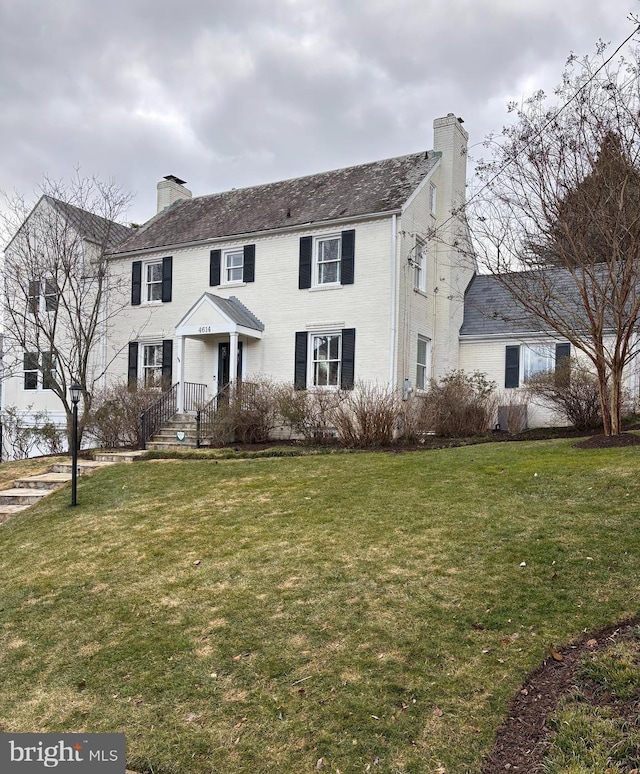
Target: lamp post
76,391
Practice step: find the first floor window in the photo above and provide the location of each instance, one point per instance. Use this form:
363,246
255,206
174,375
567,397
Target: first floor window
48,370
152,365
327,261
537,358
326,358
422,365
31,370
233,265
153,281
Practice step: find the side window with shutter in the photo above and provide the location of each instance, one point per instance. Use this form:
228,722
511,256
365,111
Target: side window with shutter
512,366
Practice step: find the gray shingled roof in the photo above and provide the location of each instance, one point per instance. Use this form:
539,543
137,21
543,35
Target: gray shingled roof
491,310
237,311
92,227
379,186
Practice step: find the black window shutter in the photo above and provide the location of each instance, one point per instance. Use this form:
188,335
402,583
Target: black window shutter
214,267
167,275
304,272
348,255
563,351
249,263
300,373
348,358
136,282
132,378
167,363
512,366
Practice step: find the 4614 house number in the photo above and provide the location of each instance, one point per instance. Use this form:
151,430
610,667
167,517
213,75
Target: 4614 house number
204,329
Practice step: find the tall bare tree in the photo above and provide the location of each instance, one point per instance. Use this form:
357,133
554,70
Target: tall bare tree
557,218
58,296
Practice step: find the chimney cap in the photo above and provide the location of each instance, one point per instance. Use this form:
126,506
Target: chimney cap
175,179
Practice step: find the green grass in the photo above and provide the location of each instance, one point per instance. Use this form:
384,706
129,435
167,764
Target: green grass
592,739
258,615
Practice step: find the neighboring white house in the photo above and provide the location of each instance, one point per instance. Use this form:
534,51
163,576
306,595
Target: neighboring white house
54,317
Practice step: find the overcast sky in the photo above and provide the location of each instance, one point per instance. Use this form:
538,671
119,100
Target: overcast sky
230,94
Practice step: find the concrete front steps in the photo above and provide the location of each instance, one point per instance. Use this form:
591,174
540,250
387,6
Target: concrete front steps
167,437
31,489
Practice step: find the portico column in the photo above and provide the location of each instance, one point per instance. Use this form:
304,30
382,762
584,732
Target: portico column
181,374
233,359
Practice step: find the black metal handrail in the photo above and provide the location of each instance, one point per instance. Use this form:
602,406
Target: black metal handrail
157,414
193,396
205,416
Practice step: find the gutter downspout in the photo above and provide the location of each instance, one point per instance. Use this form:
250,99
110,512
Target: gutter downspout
394,282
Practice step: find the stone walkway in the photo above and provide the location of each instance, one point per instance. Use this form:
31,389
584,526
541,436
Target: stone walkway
31,489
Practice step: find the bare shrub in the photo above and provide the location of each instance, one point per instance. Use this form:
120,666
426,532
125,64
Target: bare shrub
309,413
249,415
368,416
21,438
460,404
572,389
512,412
115,419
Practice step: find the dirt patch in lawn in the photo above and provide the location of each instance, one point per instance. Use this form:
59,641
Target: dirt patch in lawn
523,737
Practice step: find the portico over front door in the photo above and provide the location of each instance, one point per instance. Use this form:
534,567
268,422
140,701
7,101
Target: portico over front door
224,371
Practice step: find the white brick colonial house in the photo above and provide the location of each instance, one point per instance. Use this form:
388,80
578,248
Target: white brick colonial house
323,281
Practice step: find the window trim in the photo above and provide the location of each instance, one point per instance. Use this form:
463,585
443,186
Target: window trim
433,198
146,284
311,362
225,268
316,263
143,368
426,366
420,266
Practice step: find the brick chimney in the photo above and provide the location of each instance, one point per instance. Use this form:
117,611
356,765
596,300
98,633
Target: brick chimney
171,189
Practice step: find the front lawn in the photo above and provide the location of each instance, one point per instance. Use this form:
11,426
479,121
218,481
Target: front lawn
343,613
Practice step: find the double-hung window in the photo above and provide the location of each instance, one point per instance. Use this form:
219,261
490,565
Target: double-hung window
420,267
233,265
152,365
536,359
526,360
326,358
153,281
38,290
33,363
423,363
327,261
30,365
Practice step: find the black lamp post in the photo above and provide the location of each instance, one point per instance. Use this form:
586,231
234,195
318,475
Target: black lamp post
76,392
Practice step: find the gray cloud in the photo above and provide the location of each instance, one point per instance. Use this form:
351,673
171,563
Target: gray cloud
234,93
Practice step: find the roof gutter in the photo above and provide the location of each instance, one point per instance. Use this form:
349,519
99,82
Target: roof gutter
250,234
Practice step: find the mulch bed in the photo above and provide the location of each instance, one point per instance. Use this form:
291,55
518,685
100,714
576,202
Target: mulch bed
523,737
609,441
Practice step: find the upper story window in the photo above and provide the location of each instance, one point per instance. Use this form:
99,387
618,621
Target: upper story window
432,198
420,266
153,281
237,264
327,261
233,266
42,295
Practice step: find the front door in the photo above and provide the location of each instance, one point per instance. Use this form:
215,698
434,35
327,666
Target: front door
224,372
